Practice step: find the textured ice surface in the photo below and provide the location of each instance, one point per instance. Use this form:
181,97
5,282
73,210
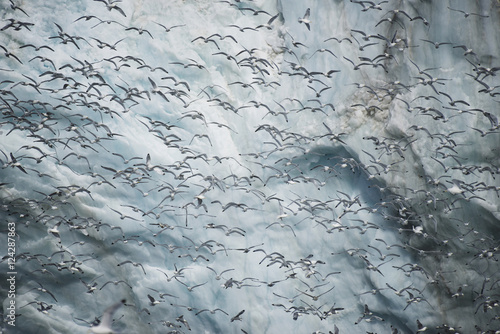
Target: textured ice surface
201,158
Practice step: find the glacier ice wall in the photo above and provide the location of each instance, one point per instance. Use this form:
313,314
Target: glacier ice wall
322,166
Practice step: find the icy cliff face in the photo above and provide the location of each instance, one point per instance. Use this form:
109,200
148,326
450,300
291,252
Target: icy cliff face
251,166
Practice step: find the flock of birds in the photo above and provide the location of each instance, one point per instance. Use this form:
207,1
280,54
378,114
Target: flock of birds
77,109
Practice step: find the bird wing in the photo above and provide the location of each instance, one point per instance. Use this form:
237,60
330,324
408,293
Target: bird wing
308,12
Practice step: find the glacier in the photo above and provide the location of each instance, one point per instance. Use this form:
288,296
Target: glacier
250,166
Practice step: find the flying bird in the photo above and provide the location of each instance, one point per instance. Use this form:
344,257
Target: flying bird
111,4
104,326
466,14
238,316
306,19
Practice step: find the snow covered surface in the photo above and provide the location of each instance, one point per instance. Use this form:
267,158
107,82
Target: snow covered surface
335,185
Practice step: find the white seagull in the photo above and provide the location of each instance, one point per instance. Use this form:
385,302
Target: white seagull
305,19
104,326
